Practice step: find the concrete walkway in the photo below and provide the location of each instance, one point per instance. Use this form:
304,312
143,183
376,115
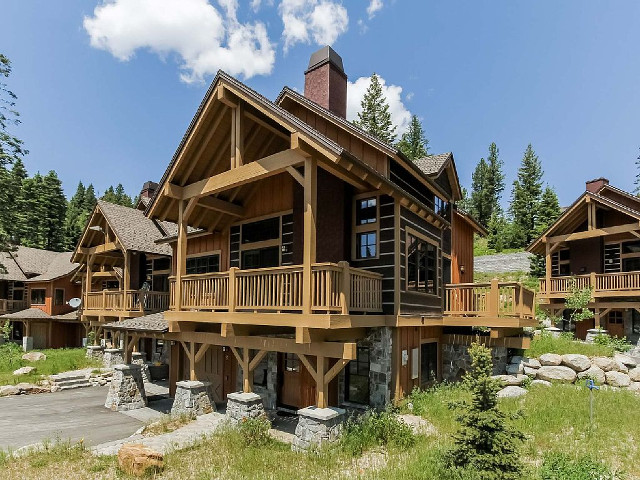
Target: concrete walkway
72,414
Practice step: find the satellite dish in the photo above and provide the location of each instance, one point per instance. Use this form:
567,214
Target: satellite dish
74,302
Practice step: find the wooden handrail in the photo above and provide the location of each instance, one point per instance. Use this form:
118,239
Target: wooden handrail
496,299
131,300
598,282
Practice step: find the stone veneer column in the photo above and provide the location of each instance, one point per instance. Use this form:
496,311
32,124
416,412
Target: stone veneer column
592,333
244,405
137,358
317,426
126,391
112,357
27,344
193,398
96,352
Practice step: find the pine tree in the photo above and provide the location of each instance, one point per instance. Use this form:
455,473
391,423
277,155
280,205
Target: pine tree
637,180
121,197
548,211
11,147
55,205
487,186
109,195
486,445
479,200
465,202
31,213
75,217
374,116
90,201
14,192
414,143
498,228
525,198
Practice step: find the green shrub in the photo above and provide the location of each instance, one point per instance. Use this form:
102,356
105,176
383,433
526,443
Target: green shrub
374,429
565,343
617,344
559,466
255,431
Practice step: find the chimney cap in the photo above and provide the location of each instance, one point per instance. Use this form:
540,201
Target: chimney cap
325,55
599,179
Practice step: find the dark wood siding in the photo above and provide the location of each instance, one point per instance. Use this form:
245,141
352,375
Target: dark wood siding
405,180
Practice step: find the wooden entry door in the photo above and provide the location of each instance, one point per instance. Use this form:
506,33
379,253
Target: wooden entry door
218,367
39,334
615,323
296,387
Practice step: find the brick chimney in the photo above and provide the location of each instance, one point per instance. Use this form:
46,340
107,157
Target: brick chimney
325,81
595,185
148,189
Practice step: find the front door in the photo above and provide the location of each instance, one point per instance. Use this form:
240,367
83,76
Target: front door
615,323
39,334
218,367
296,387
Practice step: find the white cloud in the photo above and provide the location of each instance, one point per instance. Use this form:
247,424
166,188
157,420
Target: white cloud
374,7
400,116
322,21
195,30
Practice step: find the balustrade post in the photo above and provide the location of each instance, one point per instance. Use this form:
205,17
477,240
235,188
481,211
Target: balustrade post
494,298
345,288
521,301
592,279
231,289
104,299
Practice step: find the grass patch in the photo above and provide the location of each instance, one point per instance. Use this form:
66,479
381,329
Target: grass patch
375,429
58,360
522,277
480,248
166,424
547,343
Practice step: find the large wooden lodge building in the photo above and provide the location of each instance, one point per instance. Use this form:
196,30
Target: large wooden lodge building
310,262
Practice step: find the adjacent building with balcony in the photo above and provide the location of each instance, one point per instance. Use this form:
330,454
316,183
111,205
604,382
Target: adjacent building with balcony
37,287
595,244
312,263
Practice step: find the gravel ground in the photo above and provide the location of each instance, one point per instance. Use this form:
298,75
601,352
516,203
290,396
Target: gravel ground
502,263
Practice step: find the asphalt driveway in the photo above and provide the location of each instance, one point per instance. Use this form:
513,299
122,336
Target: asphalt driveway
71,414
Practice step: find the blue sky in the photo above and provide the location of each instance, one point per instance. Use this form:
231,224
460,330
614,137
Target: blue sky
107,100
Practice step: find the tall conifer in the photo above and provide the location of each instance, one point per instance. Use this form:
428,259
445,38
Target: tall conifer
375,117
414,143
525,198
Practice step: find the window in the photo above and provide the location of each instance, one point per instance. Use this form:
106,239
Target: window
357,377
561,263
365,230
37,296
203,264
428,363
366,245
162,264
366,211
261,230
615,318
160,283
441,207
58,297
422,265
261,258
110,285
622,256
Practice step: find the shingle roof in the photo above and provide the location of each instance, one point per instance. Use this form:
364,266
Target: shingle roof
148,323
59,266
34,264
432,164
13,271
136,231
33,260
29,313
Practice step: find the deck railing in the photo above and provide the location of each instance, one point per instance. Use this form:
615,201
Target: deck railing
131,300
494,299
8,306
335,288
600,283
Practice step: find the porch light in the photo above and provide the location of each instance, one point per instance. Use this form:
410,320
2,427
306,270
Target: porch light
96,228
461,268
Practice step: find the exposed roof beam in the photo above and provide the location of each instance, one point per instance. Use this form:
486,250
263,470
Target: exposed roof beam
213,203
598,232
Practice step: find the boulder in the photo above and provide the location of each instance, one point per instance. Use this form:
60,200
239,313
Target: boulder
418,425
542,383
579,363
31,388
515,369
607,364
138,460
594,373
531,363
627,360
618,379
556,373
621,367
550,359
511,392
34,356
634,387
9,390
530,372
24,370
509,379
634,374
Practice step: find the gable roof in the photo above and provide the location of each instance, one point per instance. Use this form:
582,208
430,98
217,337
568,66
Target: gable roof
34,264
134,230
433,164
13,270
154,322
59,266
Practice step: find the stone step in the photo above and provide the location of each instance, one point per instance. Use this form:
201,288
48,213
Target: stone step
67,383
75,385
66,378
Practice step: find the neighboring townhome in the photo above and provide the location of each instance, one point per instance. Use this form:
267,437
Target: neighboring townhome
46,320
595,244
311,260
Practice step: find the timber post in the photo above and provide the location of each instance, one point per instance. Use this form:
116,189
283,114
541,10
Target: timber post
309,249
181,255
494,298
232,289
345,290
322,387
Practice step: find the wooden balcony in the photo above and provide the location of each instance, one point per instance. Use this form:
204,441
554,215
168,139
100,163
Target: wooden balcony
335,289
10,306
133,301
624,284
494,304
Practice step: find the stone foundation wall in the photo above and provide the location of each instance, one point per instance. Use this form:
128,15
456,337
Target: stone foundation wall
456,361
267,369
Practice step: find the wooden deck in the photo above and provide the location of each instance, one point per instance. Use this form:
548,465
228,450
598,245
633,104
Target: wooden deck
510,304
120,301
335,288
625,284
10,306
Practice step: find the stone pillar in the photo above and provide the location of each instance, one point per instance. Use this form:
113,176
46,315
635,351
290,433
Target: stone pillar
193,398
554,331
95,351
27,344
137,358
593,333
317,426
244,405
112,357
126,391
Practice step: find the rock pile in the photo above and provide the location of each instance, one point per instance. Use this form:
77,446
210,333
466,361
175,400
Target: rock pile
621,371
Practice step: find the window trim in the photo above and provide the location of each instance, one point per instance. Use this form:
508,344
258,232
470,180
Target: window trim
44,297
421,236
64,293
373,227
347,378
197,255
275,242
